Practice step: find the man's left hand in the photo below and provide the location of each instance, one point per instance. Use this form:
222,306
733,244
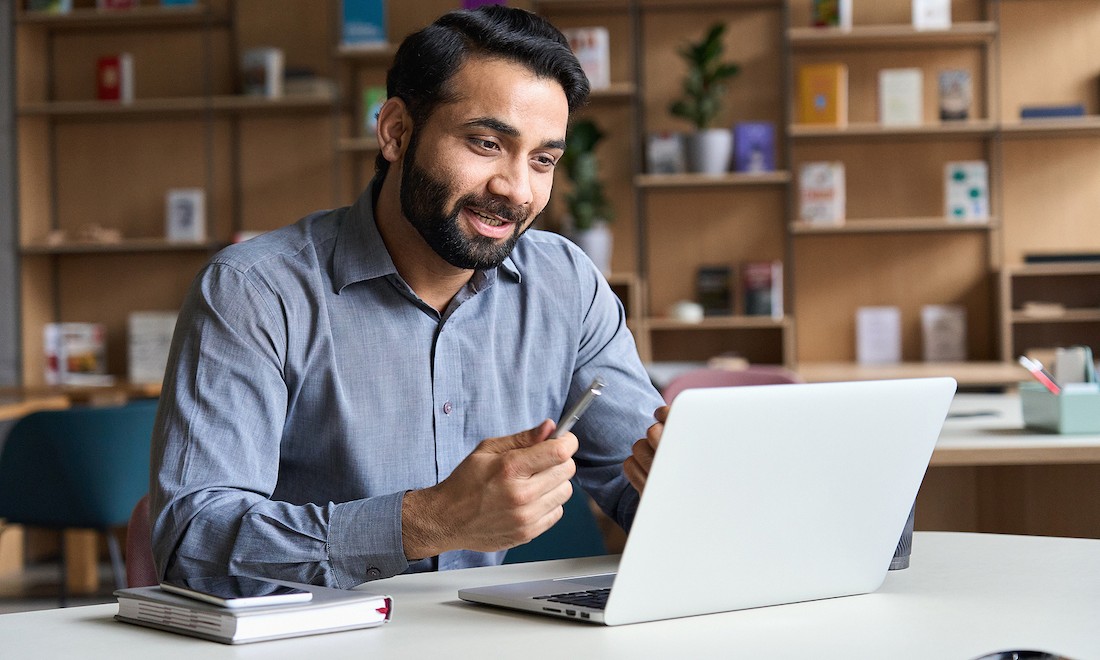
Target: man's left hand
637,466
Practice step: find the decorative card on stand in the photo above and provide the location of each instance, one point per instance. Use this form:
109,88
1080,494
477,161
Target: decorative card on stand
762,288
76,354
185,215
150,338
878,335
592,47
833,13
900,97
823,94
821,193
754,146
943,333
373,98
665,153
363,23
115,78
932,14
956,94
262,71
966,191
50,6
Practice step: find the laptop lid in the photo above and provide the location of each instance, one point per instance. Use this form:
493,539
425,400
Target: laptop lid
768,495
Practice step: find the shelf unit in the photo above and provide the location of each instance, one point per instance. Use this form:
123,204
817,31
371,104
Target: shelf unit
1074,292
896,247
85,163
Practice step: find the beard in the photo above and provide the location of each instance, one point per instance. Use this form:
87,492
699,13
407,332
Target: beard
424,205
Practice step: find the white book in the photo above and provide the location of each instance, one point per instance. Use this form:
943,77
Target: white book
878,335
262,71
900,97
150,338
943,333
592,47
185,215
966,191
932,14
821,192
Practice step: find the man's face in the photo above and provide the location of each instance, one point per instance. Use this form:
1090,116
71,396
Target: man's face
480,169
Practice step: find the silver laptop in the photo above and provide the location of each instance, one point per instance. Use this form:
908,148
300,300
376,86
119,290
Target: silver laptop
761,496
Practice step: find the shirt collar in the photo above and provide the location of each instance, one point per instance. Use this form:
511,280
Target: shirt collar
361,255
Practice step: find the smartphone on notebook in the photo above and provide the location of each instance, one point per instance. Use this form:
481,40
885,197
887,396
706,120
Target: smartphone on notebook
236,591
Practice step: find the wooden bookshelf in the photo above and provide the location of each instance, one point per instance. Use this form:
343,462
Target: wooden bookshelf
891,36
893,225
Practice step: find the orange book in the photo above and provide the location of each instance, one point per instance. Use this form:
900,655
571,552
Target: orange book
823,94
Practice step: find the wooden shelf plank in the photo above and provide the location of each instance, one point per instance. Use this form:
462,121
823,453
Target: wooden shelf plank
167,107
381,54
959,34
617,91
717,323
1069,316
125,245
196,16
975,128
712,180
969,374
891,225
1060,127
1066,268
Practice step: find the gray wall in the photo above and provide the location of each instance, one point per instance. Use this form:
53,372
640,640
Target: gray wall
9,255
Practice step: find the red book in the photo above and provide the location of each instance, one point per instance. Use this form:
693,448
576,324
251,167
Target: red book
115,78
117,4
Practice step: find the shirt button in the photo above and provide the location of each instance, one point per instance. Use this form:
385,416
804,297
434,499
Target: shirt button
447,408
373,572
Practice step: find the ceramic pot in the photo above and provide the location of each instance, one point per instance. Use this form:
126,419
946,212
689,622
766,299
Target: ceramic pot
596,242
709,151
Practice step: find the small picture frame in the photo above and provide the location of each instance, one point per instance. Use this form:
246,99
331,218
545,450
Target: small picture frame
185,215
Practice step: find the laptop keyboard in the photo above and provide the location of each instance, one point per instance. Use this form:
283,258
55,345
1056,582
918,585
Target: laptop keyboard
592,598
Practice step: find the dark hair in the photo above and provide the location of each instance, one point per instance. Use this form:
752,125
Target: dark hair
427,60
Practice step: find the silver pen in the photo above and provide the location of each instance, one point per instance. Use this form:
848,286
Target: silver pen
570,418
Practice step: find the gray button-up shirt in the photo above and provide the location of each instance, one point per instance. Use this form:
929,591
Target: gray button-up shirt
309,387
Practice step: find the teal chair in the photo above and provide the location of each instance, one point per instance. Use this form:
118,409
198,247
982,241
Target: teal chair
575,535
84,467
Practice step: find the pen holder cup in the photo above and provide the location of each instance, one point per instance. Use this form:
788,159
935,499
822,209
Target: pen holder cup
1068,412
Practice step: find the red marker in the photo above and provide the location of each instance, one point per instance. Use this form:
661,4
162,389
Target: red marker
1036,369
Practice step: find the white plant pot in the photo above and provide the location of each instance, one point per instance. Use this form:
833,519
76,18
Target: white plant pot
709,151
596,243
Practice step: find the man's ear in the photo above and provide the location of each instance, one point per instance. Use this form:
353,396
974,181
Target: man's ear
394,129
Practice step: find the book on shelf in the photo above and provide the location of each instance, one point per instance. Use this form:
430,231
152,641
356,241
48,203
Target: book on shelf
50,6
262,71
823,94
474,4
762,288
832,13
76,354
115,78
966,190
363,23
932,14
373,98
754,146
178,3
330,610
1061,257
117,4
943,333
956,94
592,47
185,215
149,337
878,335
821,193
900,97
306,82
1052,111
714,289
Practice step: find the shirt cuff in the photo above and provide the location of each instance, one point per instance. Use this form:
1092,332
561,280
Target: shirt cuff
365,540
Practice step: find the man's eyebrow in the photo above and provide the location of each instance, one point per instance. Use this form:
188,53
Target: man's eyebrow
498,126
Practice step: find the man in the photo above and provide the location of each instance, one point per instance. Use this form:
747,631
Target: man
346,397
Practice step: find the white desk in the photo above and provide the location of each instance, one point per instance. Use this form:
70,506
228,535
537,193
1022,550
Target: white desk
989,474
964,595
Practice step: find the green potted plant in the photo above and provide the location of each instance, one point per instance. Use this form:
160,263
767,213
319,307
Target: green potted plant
704,88
587,206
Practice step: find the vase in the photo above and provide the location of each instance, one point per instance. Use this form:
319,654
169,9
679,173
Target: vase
709,151
596,242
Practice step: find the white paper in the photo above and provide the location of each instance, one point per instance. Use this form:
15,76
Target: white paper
878,335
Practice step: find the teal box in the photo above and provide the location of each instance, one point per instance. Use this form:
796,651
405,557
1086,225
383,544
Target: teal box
363,23
1068,412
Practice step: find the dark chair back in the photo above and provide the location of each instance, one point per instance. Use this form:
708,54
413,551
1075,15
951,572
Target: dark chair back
141,571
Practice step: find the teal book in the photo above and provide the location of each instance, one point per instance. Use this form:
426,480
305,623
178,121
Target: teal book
363,23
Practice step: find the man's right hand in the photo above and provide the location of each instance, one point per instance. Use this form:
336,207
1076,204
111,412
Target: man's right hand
507,492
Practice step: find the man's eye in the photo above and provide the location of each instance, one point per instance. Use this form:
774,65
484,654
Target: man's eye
482,143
